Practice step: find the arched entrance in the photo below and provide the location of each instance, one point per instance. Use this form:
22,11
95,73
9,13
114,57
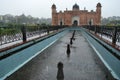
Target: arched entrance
90,22
75,23
75,20
61,23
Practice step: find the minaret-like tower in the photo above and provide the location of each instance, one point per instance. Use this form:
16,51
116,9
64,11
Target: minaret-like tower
98,11
53,8
54,15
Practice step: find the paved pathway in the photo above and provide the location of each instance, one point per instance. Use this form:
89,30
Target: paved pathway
81,65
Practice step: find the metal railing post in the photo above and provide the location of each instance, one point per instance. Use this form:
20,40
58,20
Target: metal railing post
23,30
114,39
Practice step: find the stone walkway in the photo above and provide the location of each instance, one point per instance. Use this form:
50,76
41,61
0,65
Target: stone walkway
81,65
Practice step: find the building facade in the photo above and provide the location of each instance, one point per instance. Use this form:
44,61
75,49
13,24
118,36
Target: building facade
76,16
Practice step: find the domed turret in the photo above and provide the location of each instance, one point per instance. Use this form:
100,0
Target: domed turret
53,6
98,8
99,5
75,7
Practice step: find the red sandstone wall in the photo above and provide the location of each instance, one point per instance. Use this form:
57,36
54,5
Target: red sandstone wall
84,17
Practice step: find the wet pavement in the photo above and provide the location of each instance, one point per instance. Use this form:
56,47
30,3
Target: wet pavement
82,64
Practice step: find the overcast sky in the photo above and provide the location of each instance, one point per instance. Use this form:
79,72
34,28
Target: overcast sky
42,8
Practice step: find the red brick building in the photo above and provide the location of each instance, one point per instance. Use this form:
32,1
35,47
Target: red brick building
76,16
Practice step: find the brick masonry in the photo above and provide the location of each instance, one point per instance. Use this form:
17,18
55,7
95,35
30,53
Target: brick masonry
76,16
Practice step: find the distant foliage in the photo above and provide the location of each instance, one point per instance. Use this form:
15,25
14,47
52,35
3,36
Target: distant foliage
8,31
110,21
22,19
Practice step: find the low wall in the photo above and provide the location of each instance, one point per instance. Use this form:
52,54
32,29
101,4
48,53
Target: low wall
12,63
111,62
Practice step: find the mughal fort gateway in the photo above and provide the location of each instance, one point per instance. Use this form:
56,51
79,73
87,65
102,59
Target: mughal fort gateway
76,16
